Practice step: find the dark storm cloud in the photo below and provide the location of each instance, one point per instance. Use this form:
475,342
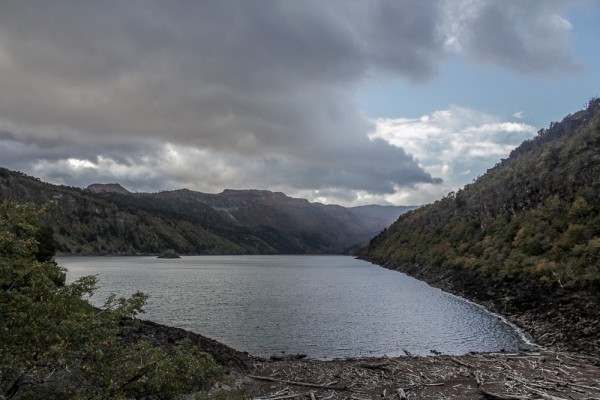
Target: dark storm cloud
527,36
219,73
103,83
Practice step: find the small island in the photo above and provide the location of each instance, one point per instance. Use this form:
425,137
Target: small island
169,254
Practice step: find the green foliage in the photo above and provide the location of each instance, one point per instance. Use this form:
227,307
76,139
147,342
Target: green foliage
535,216
55,345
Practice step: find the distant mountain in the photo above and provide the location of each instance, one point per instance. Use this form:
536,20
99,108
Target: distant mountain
284,224
109,219
377,217
524,237
107,188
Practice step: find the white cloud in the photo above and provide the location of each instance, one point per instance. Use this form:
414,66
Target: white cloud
457,144
76,164
559,23
530,36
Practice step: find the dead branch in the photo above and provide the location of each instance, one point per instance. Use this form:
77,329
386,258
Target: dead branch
464,364
401,394
543,394
295,383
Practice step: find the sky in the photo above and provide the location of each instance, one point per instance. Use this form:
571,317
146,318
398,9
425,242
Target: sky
340,102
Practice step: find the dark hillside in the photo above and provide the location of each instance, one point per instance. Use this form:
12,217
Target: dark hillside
108,219
85,223
271,221
524,237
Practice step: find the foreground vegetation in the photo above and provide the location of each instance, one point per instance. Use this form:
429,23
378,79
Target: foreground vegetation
533,217
56,345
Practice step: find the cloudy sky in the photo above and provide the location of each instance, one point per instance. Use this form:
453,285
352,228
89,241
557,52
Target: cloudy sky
348,102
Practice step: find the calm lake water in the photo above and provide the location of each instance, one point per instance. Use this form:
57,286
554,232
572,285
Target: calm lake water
323,306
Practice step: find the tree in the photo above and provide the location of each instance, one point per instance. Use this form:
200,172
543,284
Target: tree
55,344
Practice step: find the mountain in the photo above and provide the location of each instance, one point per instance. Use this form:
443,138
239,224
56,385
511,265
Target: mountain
109,219
107,188
523,239
272,221
377,217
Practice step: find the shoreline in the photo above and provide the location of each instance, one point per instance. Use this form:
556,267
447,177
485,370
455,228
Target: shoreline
555,318
546,374
525,336
514,376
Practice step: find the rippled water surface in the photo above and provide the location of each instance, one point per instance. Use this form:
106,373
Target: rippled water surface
323,306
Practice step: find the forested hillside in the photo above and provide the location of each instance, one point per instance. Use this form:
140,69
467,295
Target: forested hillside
525,233
84,223
535,214
108,219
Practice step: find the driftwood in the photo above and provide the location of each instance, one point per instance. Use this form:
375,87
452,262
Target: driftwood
296,383
461,363
546,375
401,394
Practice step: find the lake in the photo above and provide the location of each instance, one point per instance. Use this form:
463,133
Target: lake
323,306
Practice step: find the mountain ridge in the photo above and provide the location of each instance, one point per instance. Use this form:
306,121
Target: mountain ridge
109,219
375,216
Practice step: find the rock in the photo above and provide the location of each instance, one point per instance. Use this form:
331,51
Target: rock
167,336
169,254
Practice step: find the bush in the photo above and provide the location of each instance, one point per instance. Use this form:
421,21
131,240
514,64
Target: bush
55,344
